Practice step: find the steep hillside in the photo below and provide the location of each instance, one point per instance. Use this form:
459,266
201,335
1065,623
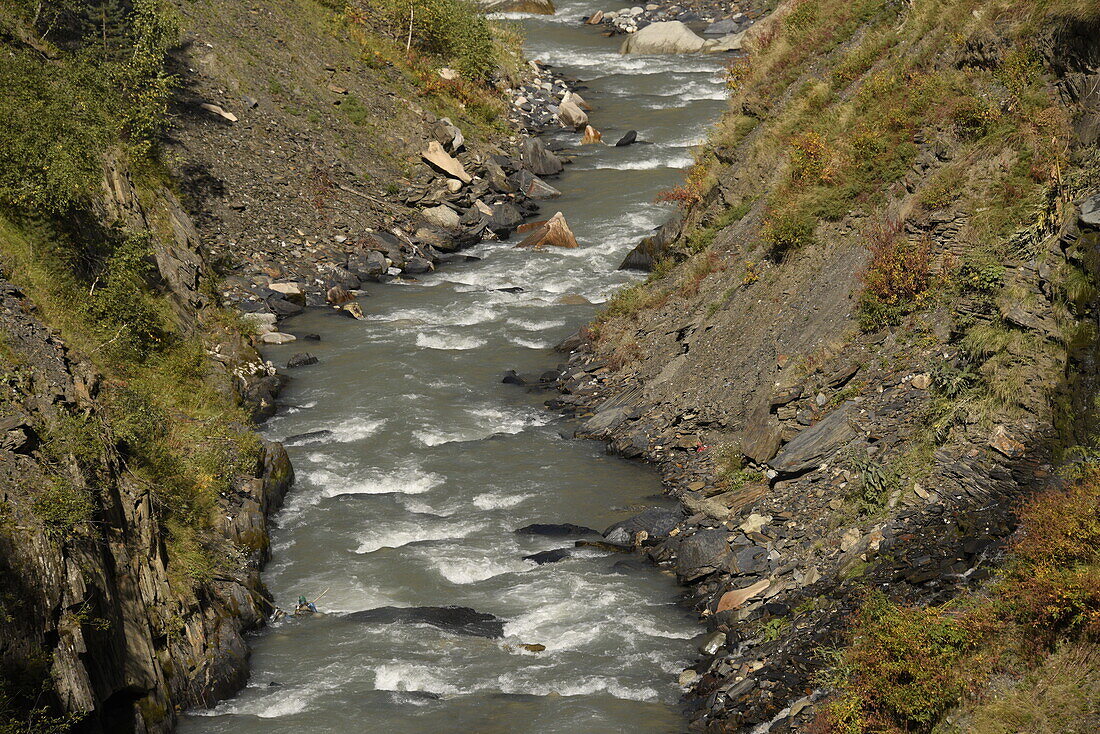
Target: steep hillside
869,339
134,493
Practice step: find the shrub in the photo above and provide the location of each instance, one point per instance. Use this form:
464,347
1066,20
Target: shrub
62,506
1055,577
901,671
809,154
897,276
787,229
451,29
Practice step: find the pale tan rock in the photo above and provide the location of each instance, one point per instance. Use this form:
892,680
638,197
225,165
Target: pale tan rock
922,381
570,114
277,337
354,310
218,111
591,135
338,296
595,19
553,232
441,161
735,598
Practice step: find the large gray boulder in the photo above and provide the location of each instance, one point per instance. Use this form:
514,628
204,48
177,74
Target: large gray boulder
668,37
538,160
817,443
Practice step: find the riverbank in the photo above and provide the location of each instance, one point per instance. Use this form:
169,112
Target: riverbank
840,402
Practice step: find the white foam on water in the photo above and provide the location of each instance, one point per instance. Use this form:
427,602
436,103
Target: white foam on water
586,687
492,501
449,342
646,164
355,428
456,314
484,422
417,505
403,532
407,480
536,325
530,343
405,677
473,570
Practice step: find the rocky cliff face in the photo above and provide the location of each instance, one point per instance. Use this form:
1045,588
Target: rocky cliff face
100,633
819,447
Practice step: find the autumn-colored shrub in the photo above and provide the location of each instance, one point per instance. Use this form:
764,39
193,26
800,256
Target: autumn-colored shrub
905,667
897,276
1054,584
809,156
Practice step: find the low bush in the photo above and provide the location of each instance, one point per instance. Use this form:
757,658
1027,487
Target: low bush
897,277
787,229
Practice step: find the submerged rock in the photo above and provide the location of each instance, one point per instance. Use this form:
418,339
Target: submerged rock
301,359
299,439
459,620
555,530
548,556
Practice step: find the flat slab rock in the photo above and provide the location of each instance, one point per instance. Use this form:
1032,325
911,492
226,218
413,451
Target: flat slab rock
459,620
815,444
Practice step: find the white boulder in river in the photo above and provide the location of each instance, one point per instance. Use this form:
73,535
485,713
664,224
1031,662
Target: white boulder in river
673,37
669,37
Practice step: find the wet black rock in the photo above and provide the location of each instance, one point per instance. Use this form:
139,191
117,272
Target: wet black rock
301,359
549,556
511,378
656,522
628,139
702,553
458,620
555,530
300,439
417,266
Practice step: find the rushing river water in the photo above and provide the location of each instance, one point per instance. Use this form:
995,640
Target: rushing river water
432,463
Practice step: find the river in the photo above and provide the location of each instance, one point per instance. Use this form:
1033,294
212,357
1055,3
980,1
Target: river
432,463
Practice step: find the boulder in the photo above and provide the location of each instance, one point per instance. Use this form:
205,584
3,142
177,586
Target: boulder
656,522
291,291
596,18
368,265
732,42
441,161
537,159
277,337
761,437
549,556
459,620
442,216
341,276
1090,212
721,28
734,598
353,310
504,218
301,359
449,136
418,266
282,307
555,530
629,139
338,296
261,322
570,114
667,37
497,178
591,135
554,232
817,443
702,553
532,186
654,248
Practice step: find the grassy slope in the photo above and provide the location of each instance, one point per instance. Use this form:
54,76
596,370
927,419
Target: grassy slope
849,121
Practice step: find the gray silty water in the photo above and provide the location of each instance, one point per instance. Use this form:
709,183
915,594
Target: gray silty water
432,463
